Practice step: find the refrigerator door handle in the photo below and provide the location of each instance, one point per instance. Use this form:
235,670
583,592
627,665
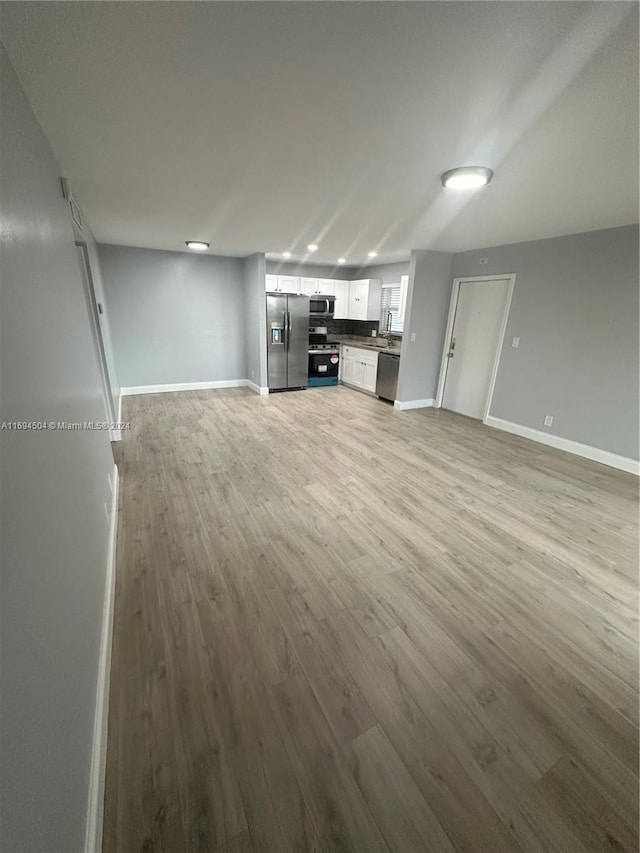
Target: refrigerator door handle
285,331
288,313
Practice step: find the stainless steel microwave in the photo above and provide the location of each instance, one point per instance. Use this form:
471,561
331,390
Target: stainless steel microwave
321,305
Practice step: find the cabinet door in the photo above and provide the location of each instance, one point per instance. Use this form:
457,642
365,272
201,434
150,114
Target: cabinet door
289,283
326,286
271,283
358,372
347,368
369,374
309,286
341,292
358,294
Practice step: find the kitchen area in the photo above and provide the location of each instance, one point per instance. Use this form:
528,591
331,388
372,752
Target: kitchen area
322,332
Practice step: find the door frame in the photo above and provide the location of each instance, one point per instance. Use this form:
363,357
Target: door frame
453,306
111,416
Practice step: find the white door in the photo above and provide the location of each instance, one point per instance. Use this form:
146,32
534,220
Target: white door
473,346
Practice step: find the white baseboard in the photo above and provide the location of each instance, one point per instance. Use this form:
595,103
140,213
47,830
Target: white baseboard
585,450
259,390
185,386
95,806
414,404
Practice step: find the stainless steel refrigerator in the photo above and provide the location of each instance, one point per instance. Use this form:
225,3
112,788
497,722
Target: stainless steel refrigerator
287,341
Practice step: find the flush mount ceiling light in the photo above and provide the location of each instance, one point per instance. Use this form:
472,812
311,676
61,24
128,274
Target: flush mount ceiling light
197,245
342,260
286,254
312,247
372,255
467,177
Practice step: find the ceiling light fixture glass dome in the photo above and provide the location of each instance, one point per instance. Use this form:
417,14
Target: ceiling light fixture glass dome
467,177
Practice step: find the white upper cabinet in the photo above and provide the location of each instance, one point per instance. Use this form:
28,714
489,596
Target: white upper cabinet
289,284
327,286
364,299
309,286
271,282
341,293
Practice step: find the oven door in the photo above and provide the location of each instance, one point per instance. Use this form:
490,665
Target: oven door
322,306
323,367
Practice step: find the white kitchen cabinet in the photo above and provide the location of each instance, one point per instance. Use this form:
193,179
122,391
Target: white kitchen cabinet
359,368
309,286
364,299
327,286
370,373
288,284
271,283
341,293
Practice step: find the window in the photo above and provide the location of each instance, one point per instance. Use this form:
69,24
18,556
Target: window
393,298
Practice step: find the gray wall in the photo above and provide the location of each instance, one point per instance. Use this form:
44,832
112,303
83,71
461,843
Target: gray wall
386,273
426,312
175,317
54,538
255,308
575,310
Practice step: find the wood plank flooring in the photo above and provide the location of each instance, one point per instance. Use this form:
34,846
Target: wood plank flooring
341,627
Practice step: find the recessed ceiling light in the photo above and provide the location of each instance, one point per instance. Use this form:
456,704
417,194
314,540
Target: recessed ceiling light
312,247
467,177
286,254
373,254
342,260
197,245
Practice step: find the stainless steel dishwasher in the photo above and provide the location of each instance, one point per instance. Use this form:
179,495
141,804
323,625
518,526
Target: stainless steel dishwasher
387,377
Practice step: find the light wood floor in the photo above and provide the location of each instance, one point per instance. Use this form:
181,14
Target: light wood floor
341,627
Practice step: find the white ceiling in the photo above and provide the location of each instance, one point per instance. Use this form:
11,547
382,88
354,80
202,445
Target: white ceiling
264,126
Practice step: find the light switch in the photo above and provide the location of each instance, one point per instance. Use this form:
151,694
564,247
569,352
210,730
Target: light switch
413,336
515,342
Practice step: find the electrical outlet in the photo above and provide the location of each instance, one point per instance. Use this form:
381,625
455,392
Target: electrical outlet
484,260
515,342
374,334
106,513
253,374
548,420
413,336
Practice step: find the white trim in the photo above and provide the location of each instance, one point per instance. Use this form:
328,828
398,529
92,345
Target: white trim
623,463
184,386
120,406
95,805
262,391
116,434
444,363
414,404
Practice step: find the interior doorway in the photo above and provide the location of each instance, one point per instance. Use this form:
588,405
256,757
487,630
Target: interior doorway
95,317
473,342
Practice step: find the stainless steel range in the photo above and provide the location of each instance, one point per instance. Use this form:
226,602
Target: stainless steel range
324,358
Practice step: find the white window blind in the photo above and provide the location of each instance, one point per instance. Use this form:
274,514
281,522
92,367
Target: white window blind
391,299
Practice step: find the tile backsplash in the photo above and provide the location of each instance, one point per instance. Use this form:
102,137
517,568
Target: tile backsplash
362,328
359,328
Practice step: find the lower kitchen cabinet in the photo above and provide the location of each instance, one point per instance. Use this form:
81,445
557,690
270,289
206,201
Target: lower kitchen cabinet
359,368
